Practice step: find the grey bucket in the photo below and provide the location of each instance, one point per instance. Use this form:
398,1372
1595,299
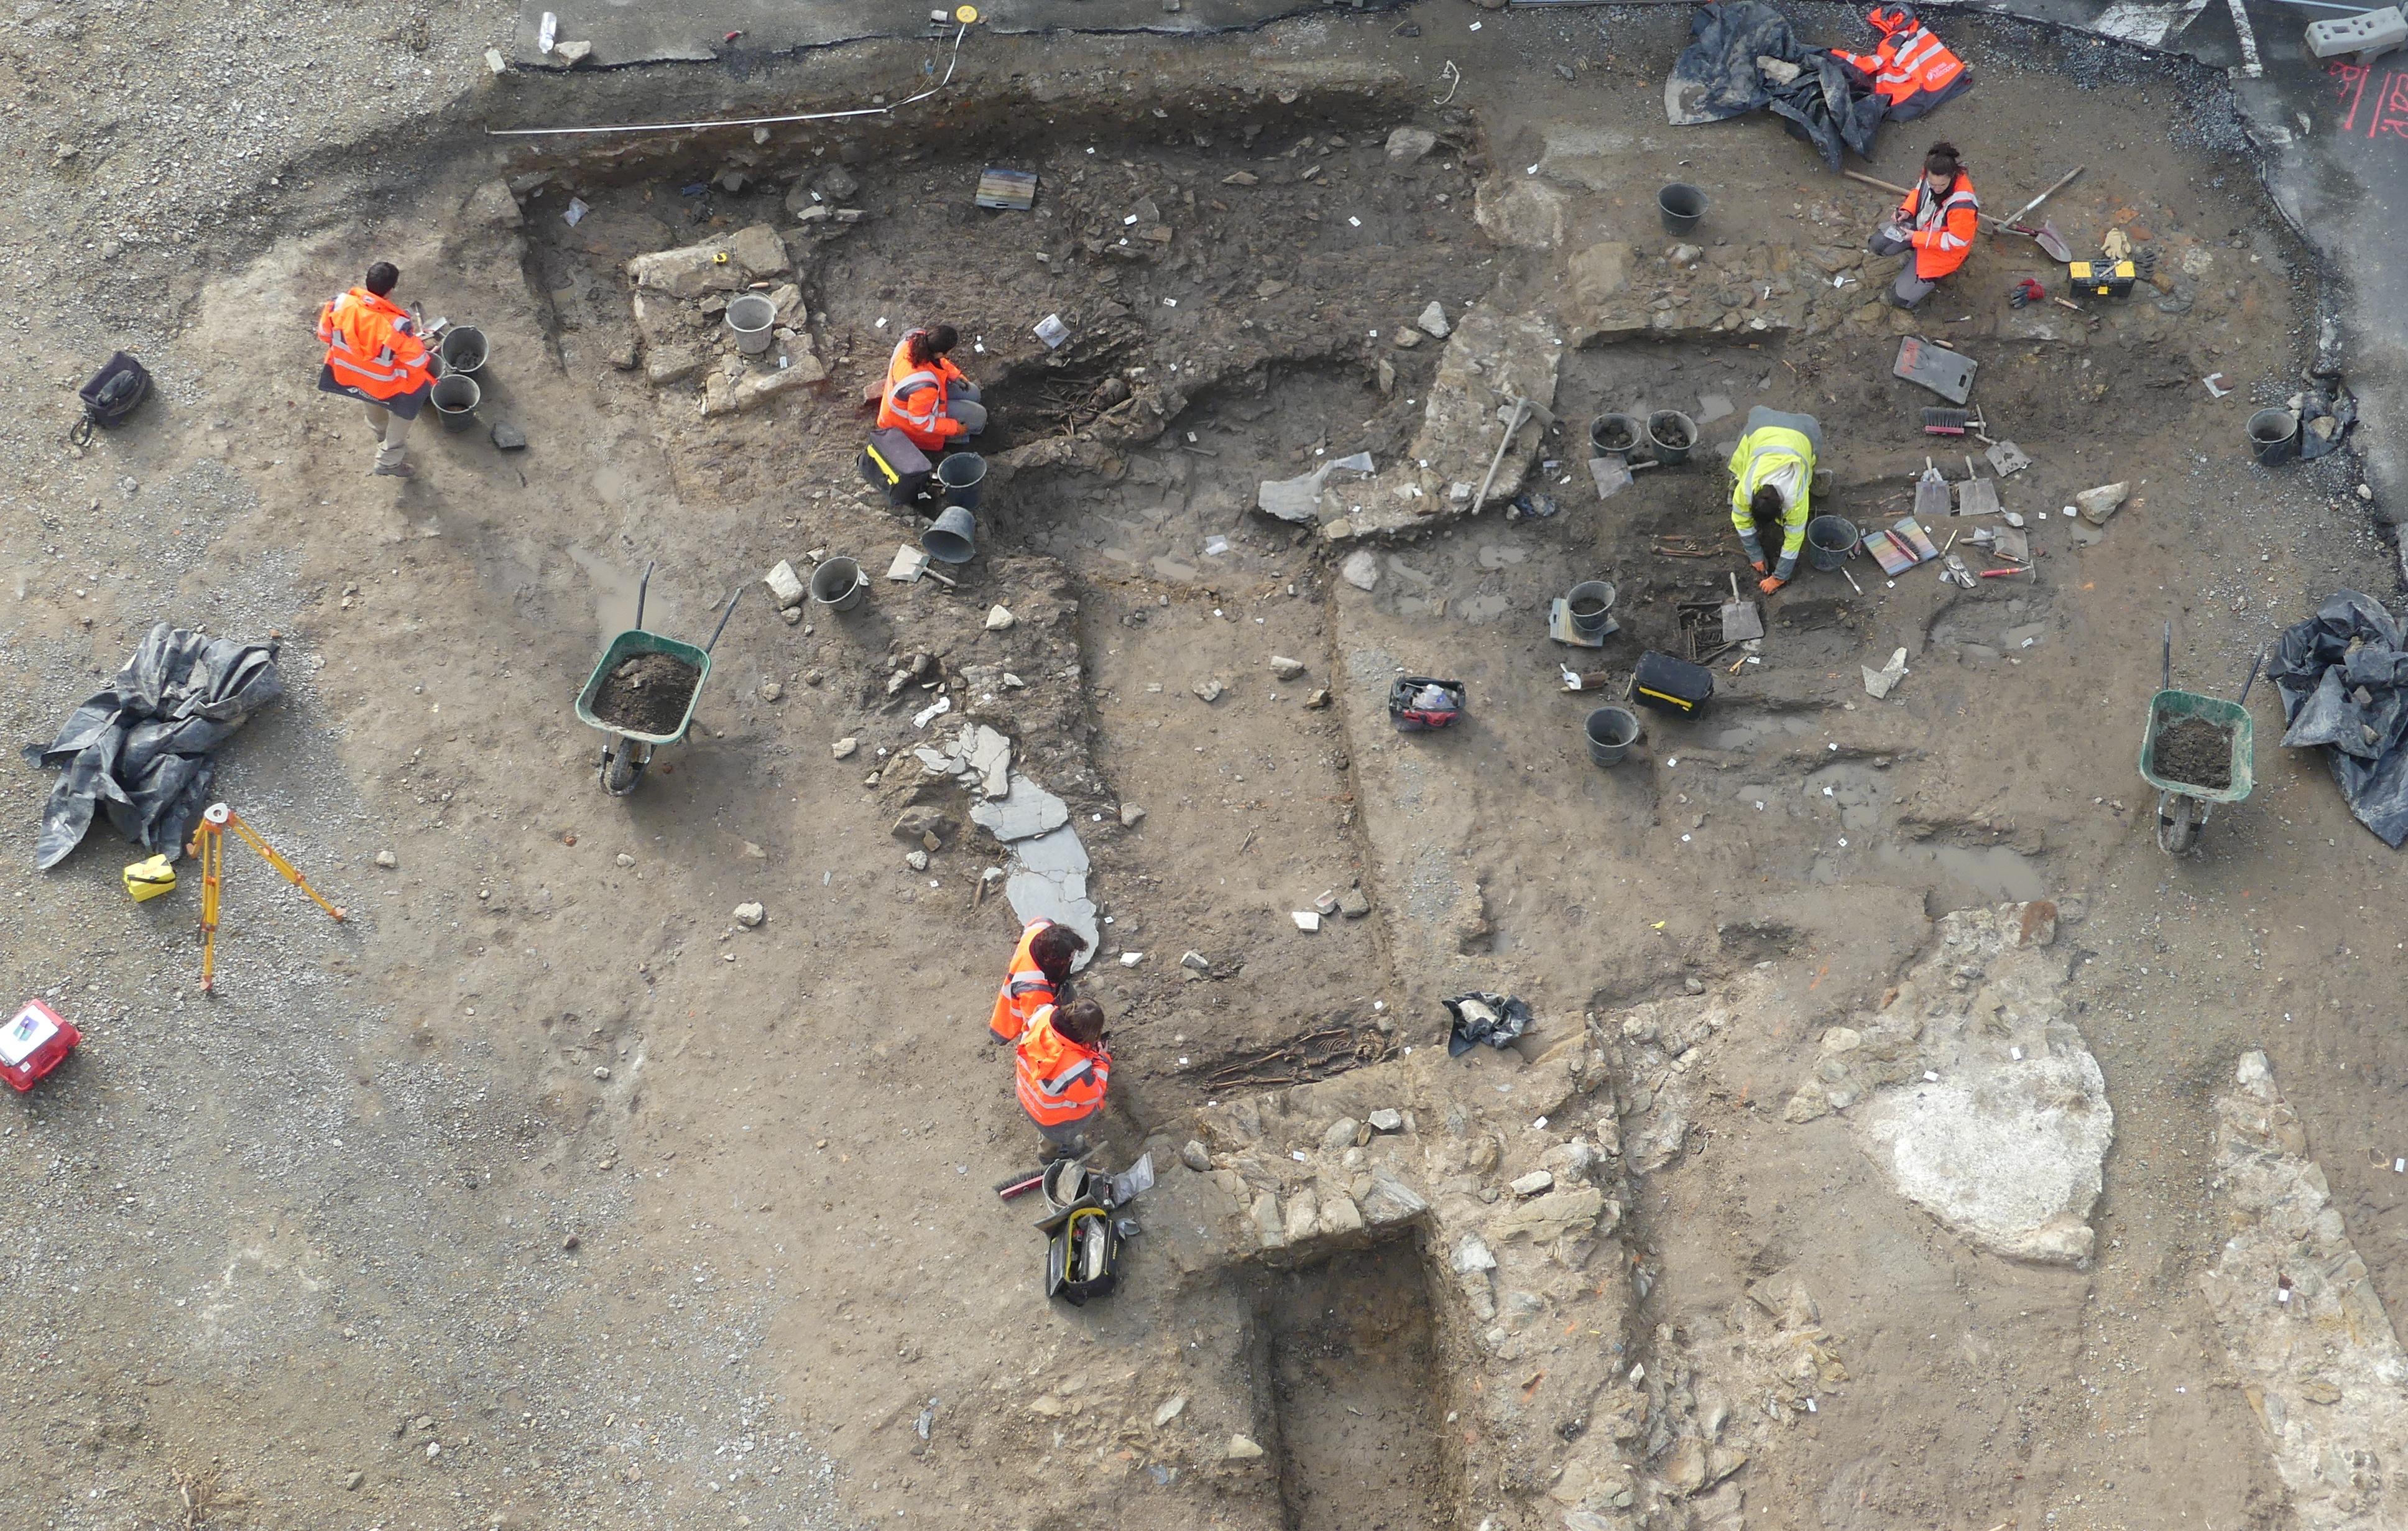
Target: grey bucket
1664,427
952,537
1610,730
749,317
2274,435
1829,539
1590,603
462,350
963,474
1681,205
839,584
1612,432
455,397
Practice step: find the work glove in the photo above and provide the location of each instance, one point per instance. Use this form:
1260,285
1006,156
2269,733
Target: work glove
1770,582
1757,566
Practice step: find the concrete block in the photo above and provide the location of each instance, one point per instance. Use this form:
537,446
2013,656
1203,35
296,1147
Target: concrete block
2369,34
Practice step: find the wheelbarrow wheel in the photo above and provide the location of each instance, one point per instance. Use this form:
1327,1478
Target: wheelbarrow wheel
2179,816
622,767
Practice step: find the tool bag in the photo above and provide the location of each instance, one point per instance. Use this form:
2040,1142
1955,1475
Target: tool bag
1083,1251
892,464
1418,703
1670,685
110,396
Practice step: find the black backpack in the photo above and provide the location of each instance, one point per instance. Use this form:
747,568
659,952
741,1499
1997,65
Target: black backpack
110,396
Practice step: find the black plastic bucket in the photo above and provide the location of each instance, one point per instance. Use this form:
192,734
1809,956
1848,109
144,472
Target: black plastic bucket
1611,732
1615,435
1671,435
963,474
1829,539
455,397
952,537
462,350
1681,205
1590,604
2274,435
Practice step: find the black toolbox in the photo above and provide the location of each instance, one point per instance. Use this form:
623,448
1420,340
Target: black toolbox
1670,685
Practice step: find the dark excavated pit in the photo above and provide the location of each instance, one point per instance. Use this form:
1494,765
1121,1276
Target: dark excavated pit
1349,1354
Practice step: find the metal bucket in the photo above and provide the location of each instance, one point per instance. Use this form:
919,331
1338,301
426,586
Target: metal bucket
839,584
1614,433
1590,603
1829,539
2274,437
455,397
952,537
749,317
1671,435
963,474
1681,205
1611,732
462,350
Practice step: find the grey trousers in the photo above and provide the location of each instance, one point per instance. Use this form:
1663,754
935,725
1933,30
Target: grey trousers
1910,289
393,435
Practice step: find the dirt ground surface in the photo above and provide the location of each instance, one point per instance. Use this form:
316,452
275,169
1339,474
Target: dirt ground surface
542,1191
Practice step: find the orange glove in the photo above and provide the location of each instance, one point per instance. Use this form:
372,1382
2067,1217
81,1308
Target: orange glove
1769,584
1757,566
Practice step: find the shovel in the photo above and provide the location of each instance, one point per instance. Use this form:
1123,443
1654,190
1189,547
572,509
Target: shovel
2046,236
1741,620
1612,473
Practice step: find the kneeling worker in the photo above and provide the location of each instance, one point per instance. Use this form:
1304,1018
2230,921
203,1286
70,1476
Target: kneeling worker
927,398
1040,966
1061,1069
1772,475
1933,228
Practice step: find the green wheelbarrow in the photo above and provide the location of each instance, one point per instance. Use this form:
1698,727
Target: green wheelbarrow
629,747
2183,806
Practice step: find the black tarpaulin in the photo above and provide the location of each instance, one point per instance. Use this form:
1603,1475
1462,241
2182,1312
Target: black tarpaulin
140,750
2344,678
1830,103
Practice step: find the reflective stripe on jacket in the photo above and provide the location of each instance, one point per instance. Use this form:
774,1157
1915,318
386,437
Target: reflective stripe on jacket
368,349
1058,1080
1941,231
915,405
1025,991
1912,69
899,364
1761,454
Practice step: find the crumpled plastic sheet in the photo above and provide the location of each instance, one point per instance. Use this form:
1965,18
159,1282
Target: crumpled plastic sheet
1830,103
2343,679
1476,1018
2324,419
141,751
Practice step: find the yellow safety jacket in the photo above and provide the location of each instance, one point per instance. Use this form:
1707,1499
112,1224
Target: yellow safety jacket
1761,454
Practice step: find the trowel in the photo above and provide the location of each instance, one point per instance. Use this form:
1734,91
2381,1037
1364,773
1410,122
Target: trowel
1933,495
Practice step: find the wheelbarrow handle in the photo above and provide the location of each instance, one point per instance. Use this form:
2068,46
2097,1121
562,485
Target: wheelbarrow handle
723,620
2255,663
2166,670
643,587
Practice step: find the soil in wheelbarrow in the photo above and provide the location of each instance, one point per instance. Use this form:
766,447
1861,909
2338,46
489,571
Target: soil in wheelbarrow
2196,753
647,693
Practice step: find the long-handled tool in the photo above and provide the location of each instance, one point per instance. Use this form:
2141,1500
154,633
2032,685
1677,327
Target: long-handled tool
208,845
1513,428
2046,236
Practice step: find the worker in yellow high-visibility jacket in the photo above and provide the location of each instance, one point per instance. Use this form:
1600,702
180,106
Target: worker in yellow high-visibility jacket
1772,474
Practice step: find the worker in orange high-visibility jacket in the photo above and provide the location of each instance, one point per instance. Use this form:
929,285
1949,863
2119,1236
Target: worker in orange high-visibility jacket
1040,968
1933,228
1062,1070
927,397
1912,70
373,355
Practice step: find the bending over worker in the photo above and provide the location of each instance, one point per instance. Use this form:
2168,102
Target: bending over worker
373,356
1061,1070
1040,966
1933,228
1912,70
1772,475
927,397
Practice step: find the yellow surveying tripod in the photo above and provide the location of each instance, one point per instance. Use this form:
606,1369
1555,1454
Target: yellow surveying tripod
208,845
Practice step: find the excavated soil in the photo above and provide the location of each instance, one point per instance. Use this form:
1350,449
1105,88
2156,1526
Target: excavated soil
647,695
2196,752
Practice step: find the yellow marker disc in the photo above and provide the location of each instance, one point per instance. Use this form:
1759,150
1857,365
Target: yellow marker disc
966,14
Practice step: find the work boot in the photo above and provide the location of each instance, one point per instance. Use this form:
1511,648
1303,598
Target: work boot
398,470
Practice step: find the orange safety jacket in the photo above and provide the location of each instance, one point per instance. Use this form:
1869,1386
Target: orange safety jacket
1027,990
1941,231
369,351
1911,70
914,404
1059,1081
899,364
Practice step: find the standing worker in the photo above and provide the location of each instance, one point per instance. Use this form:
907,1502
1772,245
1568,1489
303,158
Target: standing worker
1041,965
1933,228
1061,1070
1772,477
927,397
373,355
